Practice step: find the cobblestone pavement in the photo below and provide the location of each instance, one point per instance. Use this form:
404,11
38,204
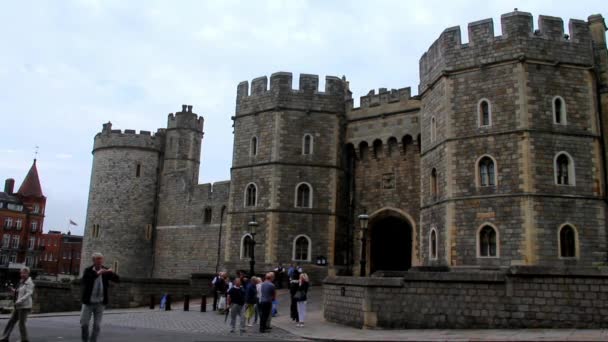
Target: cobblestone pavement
209,323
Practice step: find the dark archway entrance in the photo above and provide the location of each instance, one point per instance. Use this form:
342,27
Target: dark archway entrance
391,244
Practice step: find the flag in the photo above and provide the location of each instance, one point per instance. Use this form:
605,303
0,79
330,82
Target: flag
73,223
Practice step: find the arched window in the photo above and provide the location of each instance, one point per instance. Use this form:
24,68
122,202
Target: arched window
433,129
564,169
487,242
377,148
253,151
567,242
307,144
487,173
246,247
485,113
301,248
434,182
363,150
405,142
559,111
433,244
303,195
251,195
393,146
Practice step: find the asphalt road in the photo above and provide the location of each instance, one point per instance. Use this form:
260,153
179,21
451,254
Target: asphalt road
41,329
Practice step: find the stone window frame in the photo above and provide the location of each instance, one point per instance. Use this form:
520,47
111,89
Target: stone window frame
137,170
571,169
148,232
311,144
434,184
433,129
431,231
310,195
242,249
94,232
207,215
477,242
255,204
309,250
478,172
480,114
576,242
563,113
254,144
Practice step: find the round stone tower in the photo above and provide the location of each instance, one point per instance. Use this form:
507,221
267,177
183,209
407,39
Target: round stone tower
286,171
511,151
122,200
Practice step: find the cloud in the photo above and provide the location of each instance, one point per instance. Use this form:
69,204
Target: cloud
78,64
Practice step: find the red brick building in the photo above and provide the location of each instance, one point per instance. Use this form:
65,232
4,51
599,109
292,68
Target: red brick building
21,221
61,254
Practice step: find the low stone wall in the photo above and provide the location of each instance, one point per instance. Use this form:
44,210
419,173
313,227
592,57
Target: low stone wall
129,293
520,297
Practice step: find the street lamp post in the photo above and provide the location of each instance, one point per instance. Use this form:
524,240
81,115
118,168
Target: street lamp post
363,219
253,225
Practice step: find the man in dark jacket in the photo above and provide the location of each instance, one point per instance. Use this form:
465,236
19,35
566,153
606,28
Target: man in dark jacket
95,283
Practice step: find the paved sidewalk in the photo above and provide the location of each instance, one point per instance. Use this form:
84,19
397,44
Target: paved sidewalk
318,329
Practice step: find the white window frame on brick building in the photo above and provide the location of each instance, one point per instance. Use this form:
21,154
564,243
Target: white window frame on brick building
12,258
433,244
245,253
575,241
18,224
433,129
563,112
253,146
308,250
307,144
489,170
299,202
478,241
8,223
3,259
34,226
31,243
6,241
16,240
480,113
571,176
246,202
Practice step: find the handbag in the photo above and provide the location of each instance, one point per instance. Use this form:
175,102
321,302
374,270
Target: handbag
300,296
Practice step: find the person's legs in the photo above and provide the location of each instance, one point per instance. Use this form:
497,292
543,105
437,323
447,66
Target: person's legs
85,318
97,317
256,313
214,300
265,308
302,311
233,313
242,317
22,313
10,325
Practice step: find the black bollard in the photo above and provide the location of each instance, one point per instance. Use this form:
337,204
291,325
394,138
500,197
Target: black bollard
168,303
204,303
152,304
187,303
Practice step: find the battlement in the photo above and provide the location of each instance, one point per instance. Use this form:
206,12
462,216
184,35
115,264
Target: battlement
518,41
217,192
384,102
185,119
128,138
282,94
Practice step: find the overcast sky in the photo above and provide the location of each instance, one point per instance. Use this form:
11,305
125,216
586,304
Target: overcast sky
66,67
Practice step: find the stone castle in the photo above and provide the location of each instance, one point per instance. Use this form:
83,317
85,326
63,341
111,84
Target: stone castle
500,160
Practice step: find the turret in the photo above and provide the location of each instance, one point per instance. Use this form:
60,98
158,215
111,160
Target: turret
122,199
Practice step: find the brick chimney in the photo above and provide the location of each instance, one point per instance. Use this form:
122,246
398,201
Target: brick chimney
9,186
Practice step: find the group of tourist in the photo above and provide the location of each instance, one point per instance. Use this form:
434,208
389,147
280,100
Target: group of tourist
246,299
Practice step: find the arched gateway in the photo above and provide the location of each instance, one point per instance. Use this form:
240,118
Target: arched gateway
391,241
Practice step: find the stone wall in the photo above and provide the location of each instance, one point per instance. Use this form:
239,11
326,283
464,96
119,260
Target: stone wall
129,293
522,297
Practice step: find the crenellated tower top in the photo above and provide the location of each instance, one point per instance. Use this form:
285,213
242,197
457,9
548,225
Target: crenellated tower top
282,95
518,41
